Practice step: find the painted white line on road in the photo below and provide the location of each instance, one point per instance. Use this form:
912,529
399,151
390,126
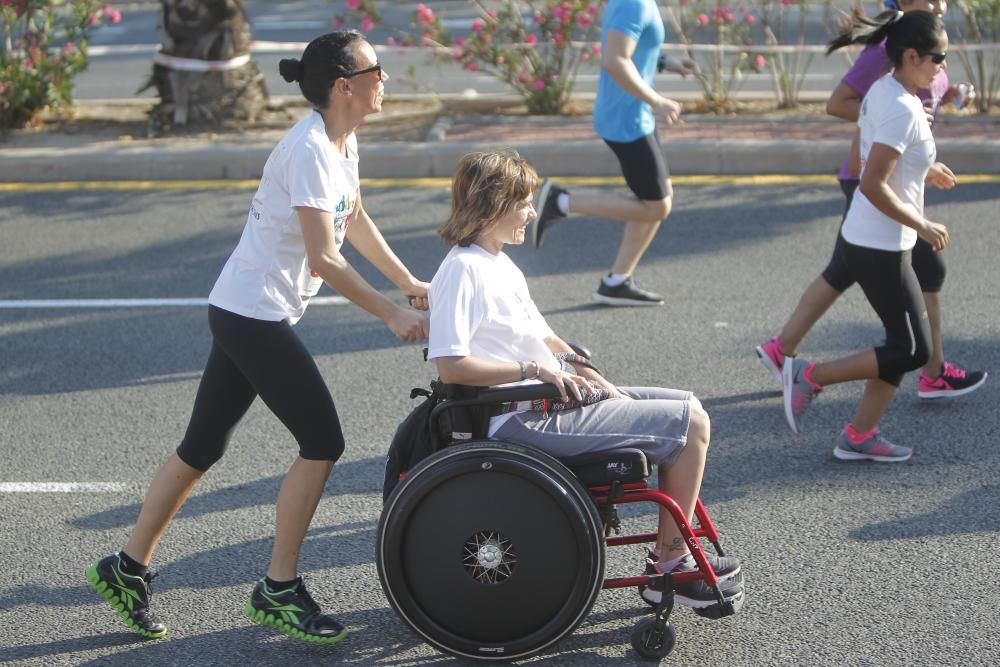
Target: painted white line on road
62,487
24,304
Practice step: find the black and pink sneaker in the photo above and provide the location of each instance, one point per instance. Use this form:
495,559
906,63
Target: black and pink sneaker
953,381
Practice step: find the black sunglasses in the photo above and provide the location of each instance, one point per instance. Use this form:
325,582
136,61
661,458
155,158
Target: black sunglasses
378,68
937,58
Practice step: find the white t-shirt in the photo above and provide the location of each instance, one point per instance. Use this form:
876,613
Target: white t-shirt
893,117
480,307
268,277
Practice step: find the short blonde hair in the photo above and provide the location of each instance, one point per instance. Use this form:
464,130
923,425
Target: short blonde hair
486,186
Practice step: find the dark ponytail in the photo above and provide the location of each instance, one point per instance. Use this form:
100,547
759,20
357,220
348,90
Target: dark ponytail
917,30
326,58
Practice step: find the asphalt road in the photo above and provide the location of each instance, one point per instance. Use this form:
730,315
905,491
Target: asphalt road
846,564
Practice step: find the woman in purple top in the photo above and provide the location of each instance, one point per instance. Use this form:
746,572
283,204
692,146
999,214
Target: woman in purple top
938,378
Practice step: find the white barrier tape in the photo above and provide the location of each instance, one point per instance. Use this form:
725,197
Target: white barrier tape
299,47
194,65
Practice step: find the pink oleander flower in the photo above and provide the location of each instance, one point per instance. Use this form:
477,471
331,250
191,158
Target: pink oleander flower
728,16
69,48
458,41
531,39
596,49
367,23
760,62
114,16
558,39
750,19
492,13
787,2
538,84
93,19
476,26
352,4
583,21
703,19
719,12
472,67
425,15
558,12
456,54
592,10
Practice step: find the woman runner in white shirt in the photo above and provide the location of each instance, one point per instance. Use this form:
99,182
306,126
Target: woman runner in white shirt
897,151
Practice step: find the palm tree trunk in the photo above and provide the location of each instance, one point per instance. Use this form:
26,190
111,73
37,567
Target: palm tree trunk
200,73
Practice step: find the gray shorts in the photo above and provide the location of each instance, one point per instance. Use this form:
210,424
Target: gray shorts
656,422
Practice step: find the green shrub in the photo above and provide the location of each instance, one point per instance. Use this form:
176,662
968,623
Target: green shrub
43,45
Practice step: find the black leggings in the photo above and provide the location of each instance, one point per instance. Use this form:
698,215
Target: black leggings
927,264
252,357
891,286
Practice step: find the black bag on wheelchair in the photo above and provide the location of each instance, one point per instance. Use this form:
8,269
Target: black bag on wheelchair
412,441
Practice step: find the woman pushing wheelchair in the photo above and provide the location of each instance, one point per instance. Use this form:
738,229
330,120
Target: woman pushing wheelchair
485,330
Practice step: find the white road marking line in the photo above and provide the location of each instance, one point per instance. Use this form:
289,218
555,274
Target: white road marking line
62,487
13,304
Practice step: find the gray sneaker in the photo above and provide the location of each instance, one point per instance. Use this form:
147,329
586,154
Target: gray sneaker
798,391
873,448
626,294
548,211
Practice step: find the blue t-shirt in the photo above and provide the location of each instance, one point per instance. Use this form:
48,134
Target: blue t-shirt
619,116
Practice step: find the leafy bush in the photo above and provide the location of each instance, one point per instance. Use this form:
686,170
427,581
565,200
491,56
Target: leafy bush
536,46
718,38
43,45
981,59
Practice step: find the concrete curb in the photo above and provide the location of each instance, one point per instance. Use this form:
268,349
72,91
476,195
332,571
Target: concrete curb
196,160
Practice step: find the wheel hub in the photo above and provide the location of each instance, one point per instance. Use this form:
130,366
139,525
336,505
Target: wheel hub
489,557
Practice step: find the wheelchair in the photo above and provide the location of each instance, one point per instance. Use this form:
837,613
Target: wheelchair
493,551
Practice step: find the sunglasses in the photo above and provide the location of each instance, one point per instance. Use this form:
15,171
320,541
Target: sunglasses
937,58
378,68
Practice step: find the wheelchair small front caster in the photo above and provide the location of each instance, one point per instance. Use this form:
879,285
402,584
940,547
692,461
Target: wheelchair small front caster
653,639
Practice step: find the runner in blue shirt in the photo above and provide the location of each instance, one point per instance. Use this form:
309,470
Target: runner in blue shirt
625,117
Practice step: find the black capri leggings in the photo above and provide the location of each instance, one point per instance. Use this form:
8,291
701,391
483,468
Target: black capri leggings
927,264
252,357
891,287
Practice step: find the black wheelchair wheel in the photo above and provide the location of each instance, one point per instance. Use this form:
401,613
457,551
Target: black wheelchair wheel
652,640
490,551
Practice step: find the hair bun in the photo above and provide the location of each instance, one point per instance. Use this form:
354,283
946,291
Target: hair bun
290,69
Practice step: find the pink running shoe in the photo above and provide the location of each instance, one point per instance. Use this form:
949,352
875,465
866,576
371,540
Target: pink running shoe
798,390
953,381
770,355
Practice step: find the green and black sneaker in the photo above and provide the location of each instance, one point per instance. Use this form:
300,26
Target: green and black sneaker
294,612
128,594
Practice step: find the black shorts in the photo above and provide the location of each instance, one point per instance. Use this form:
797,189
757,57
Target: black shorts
643,166
251,358
928,264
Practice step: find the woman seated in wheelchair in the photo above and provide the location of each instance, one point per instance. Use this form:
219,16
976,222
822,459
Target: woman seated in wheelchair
485,330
